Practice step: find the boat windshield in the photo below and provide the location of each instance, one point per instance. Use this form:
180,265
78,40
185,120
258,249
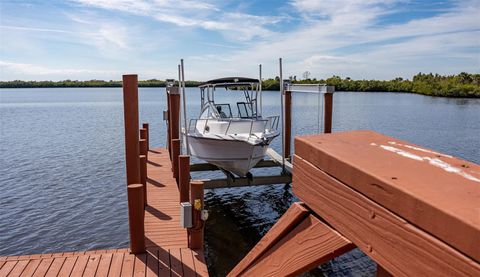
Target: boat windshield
244,109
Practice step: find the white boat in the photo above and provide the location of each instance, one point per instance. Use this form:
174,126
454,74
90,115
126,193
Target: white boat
235,143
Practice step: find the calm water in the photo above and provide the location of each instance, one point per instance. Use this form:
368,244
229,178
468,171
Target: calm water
62,176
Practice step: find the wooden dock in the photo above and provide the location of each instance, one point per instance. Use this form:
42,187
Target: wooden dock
412,210
166,241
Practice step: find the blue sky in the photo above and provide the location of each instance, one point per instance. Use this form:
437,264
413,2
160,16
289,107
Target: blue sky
103,39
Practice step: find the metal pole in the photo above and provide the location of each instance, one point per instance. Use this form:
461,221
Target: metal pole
283,116
184,107
260,89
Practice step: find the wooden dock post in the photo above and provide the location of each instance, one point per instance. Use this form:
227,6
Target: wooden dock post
184,177
144,136
143,177
136,218
135,192
328,102
174,116
130,112
195,234
175,154
169,135
146,127
288,124
143,147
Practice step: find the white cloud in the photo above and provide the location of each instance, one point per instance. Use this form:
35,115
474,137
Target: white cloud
195,14
344,38
8,68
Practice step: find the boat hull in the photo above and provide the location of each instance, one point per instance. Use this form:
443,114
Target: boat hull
236,156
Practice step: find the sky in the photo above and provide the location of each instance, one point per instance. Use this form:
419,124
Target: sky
360,39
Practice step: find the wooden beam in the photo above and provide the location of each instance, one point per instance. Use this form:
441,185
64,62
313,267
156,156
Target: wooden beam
398,246
130,113
294,215
278,158
211,167
436,192
327,117
243,181
308,245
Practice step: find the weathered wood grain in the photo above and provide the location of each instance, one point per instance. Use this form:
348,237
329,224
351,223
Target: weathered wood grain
436,192
294,215
397,245
308,245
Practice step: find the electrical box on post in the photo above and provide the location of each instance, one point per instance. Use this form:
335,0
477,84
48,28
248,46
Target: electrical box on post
186,214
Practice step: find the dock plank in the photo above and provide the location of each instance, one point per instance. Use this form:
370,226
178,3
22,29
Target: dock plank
56,266
176,268
140,265
104,264
92,265
7,267
116,265
127,267
30,268
80,265
18,269
188,263
43,267
67,266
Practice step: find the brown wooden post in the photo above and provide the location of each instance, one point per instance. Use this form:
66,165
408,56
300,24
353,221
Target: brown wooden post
195,234
130,112
144,143
136,218
328,102
175,154
169,135
145,126
184,177
288,123
175,114
143,177
143,147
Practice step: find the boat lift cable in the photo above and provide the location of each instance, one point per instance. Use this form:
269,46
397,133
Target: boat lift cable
184,107
282,113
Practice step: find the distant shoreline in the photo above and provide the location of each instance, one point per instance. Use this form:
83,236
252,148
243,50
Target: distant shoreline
463,85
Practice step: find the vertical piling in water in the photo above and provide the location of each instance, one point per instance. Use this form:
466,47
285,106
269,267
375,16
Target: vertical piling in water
142,145
169,135
143,177
175,154
145,126
144,136
288,123
135,192
136,218
173,97
195,234
328,102
130,112
184,177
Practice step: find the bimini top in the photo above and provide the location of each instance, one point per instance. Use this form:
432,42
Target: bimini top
229,81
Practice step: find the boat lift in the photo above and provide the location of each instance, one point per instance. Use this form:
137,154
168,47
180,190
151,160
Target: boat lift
175,119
